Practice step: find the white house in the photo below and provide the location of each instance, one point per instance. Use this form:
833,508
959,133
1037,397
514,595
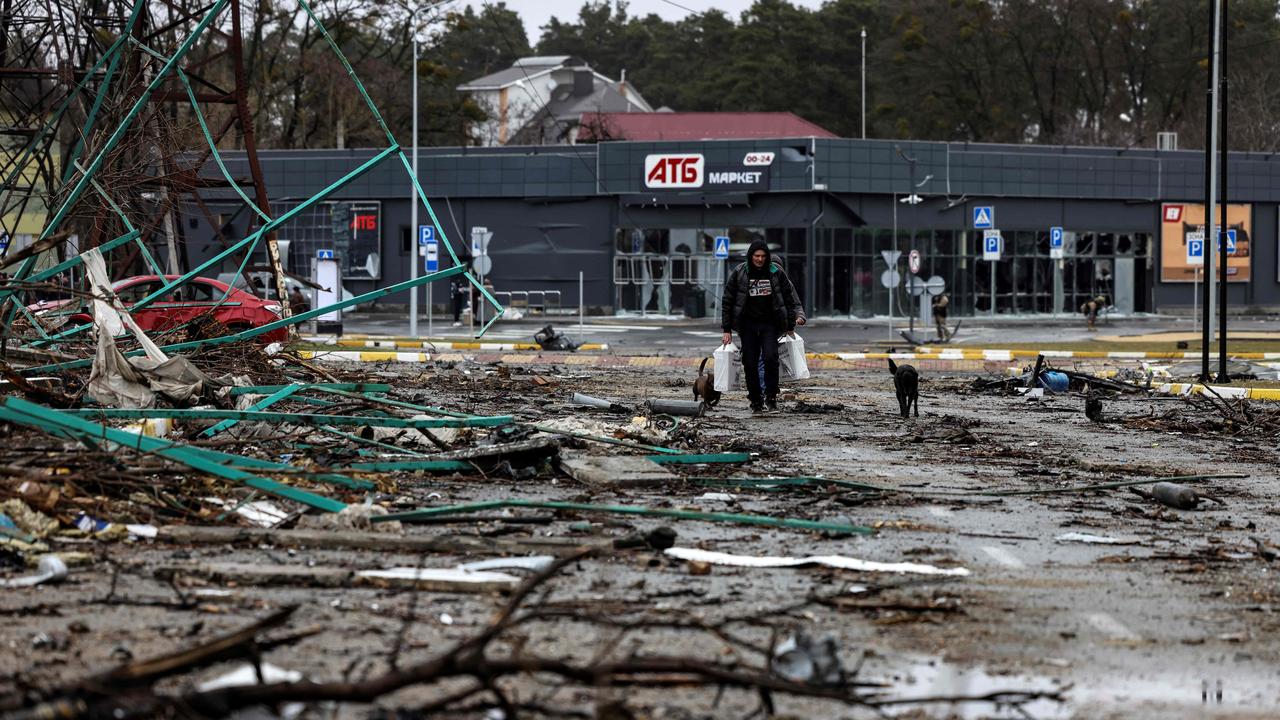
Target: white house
540,100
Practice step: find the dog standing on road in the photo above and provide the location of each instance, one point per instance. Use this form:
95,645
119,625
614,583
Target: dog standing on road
704,388
906,381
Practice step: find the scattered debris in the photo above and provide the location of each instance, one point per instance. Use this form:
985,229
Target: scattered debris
549,339
50,569
1179,497
802,659
588,401
833,561
1091,539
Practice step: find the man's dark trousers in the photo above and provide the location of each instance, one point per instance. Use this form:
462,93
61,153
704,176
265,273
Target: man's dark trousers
759,339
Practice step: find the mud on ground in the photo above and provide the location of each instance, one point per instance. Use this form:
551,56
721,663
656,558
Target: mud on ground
1174,618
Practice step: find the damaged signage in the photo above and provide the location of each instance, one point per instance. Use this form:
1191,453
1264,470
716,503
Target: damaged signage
693,172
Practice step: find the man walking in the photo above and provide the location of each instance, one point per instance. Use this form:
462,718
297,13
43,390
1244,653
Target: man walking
759,302
458,295
1090,310
939,308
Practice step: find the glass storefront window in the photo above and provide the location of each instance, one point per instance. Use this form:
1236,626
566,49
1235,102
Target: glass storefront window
656,270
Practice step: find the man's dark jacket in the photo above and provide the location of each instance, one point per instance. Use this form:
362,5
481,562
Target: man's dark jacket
785,307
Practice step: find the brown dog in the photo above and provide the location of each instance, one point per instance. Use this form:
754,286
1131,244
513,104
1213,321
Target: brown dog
704,388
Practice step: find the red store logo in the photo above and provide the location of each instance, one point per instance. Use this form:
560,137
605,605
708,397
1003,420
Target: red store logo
673,171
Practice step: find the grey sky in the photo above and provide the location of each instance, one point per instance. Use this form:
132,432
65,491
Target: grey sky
536,13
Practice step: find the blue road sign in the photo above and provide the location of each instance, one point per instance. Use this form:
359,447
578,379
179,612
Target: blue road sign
324,254
426,234
984,217
1195,251
722,247
432,256
993,245
1231,241
1055,237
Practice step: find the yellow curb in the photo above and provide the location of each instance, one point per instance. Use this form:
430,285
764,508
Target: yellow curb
1001,355
1232,393
364,356
407,344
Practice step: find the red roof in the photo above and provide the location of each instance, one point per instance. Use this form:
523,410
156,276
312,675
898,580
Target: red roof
596,127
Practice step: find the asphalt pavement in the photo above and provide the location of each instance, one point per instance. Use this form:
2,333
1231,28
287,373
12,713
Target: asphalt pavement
693,336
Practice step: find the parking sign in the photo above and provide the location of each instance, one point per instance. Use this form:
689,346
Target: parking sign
1057,241
1195,248
992,244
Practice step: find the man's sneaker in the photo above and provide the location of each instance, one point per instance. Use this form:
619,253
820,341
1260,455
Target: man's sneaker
457,324
757,408
772,404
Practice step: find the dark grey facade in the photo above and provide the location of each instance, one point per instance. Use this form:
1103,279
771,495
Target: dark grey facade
826,206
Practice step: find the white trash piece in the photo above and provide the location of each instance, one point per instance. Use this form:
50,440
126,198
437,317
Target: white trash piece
726,369
840,562
791,361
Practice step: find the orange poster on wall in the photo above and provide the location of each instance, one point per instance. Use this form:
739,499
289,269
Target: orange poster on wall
1178,220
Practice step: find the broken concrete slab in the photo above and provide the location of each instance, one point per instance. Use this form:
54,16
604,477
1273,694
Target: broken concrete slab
616,471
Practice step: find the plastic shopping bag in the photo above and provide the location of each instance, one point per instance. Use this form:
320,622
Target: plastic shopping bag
726,370
791,362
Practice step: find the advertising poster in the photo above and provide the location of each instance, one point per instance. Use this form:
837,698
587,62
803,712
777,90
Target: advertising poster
1180,219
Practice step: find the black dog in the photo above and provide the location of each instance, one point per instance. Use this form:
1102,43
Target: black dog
906,381
704,388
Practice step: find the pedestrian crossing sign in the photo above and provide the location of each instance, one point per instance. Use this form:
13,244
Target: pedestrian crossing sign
722,247
984,217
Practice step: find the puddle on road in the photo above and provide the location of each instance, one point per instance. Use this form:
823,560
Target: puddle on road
935,678
1181,696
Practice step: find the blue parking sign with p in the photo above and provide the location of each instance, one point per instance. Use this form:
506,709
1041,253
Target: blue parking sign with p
1055,237
426,234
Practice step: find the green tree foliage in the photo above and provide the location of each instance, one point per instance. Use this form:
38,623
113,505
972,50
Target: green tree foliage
1113,72
1045,71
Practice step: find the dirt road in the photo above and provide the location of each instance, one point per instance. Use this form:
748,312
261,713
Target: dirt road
1081,604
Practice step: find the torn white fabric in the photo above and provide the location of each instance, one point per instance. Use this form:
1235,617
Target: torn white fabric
119,382
175,378
834,561
108,312
112,381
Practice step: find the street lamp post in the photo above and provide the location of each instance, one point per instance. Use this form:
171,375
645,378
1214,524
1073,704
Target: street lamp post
413,193
864,83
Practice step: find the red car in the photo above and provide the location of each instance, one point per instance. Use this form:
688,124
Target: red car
240,311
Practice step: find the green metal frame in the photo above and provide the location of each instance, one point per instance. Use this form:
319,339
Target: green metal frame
37,416
285,417
763,520
268,389
262,404
86,178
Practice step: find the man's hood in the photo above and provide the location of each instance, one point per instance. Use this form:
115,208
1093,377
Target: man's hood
760,245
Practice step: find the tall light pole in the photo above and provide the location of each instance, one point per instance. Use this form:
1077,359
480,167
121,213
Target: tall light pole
864,83
413,193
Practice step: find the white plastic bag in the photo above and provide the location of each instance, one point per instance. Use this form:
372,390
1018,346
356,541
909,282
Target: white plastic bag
726,369
791,362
